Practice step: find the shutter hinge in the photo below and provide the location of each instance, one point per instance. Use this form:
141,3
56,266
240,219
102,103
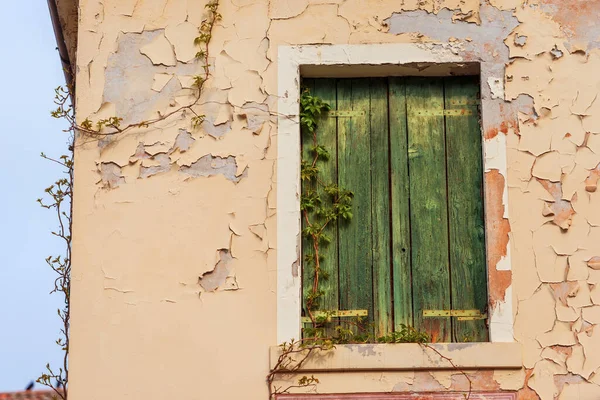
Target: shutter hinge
337,314
461,315
425,112
345,114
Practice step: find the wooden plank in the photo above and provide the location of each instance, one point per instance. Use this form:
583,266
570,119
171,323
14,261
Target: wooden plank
465,209
428,206
380,210
327,136
401,250
354,159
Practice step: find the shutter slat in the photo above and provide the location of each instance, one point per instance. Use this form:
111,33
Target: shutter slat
401,271
428,206
380,197
354,164
465,200
327,136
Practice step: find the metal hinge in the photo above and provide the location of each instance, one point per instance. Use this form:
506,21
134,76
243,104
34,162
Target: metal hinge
461,315
337,314
425,112
345,114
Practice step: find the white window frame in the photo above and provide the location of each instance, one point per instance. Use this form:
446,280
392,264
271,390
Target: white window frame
291,59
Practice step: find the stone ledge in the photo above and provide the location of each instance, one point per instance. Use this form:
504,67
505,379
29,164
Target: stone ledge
401,396
411,357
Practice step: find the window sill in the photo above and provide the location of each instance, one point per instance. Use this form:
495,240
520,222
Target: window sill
411,357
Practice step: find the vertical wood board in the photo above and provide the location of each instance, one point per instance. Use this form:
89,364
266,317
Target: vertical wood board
380,211
400,198
465,208
428,206
354,173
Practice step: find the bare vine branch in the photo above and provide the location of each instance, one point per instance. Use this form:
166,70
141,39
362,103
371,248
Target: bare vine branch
59,196
287,364
428,346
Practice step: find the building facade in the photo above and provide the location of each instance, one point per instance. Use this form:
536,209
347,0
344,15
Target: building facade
187,251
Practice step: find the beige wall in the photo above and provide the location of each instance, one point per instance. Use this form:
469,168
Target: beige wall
158,208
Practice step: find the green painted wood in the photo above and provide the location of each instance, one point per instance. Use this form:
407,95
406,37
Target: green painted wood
465,209
354,165
400,195
428,206
327,136
416,240
380,210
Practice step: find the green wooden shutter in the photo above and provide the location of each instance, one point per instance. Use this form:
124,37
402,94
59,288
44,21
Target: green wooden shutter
416,241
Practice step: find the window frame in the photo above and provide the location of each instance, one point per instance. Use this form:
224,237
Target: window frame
383,60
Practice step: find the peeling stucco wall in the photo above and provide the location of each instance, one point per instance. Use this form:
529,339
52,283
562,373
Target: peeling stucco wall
174,251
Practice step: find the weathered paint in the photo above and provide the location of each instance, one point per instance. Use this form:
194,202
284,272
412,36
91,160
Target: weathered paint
161,211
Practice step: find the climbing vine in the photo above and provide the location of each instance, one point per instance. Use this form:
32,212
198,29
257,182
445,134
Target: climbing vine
322,204
59,196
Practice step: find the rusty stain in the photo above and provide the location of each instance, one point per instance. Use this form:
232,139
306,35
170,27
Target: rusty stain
499,281
497,226
566,350
481,380
572,16
491,133
497,229
503,127
526,393
432,327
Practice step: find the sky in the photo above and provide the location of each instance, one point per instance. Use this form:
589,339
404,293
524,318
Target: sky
30,71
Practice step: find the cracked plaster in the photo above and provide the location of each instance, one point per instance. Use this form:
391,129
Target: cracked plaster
153,206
